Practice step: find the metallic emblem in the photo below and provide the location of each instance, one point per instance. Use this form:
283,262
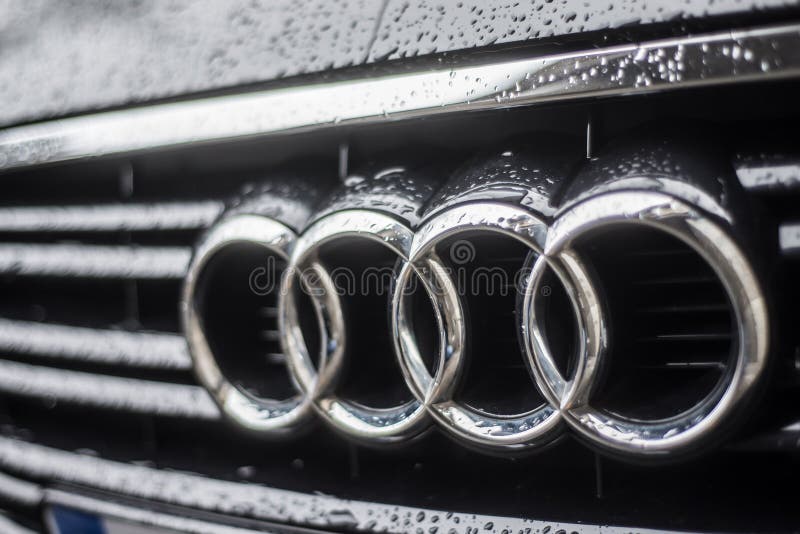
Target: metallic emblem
567,399
274,416
319,382
571,395
436,391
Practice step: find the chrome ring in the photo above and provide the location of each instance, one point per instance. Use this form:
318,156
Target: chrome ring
277,417
436,392
712,243
567,398
319,382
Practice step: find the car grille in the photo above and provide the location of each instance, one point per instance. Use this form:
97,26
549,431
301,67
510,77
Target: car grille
96,379
96,258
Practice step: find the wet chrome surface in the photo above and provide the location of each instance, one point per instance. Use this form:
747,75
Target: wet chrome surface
254,500
130,349
437,391
46,388
114,217
278,416
318,382
567,398
712,59
132,395
572,394
96,261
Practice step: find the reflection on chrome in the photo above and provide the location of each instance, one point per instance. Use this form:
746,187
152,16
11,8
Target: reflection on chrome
648,67
572,395
274,416
319,382
566,396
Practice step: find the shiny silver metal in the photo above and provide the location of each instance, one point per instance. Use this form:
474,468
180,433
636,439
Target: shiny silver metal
567,398
571,396
94,261
274,416
318,382
110,217
437,391
117,347
252,501
765,53
112,392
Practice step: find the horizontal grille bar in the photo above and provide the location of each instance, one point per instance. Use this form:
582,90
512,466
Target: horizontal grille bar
764,174
19,491
113,217
134,349
702,60
259,502
789,238
127,394
93,261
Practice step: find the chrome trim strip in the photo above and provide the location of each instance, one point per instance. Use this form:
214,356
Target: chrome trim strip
134,349
709,59
111,217
94,261
252,500
789,238
128,394
112,512
19,491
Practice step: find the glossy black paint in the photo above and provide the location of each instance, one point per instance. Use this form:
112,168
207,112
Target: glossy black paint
527,171
288,196
397,186
64,58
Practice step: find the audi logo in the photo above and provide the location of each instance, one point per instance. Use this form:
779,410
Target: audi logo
316,369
